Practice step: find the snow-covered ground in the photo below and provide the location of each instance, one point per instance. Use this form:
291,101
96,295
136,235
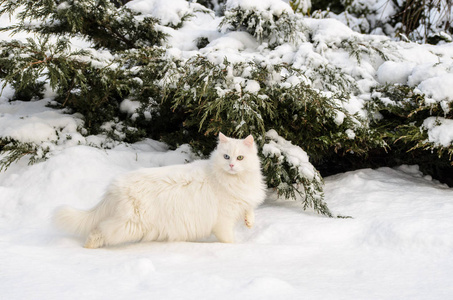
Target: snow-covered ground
397,245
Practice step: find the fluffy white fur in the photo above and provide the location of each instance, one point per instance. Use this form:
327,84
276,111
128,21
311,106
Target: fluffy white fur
176,203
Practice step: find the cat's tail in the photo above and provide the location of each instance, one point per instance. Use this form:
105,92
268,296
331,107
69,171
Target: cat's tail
79,222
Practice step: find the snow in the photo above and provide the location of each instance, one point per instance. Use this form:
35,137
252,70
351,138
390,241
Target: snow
35,122
295,156
397,245
438,87
350,133
273,7
234,42
129,106
169,12
394,72
439,131
252,86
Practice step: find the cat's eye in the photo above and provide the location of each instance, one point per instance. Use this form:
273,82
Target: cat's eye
226,156
240,157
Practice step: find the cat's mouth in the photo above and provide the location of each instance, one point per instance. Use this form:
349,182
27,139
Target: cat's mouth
232,171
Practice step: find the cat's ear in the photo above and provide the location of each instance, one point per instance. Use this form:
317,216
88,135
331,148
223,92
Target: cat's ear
248,141
222,138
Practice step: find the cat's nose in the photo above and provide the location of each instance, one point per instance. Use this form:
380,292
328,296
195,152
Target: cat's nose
231,165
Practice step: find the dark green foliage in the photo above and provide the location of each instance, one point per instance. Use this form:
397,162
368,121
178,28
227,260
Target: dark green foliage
313,124
400,118
202,42
213,101
29,92
119,3
24,70
303,115
13,150
290,177
218,6
147,71
98,21
336,6
402,113
398,114
290,184
83,81
78,83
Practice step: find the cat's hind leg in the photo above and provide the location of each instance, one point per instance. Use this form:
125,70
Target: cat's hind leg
95,239
113,232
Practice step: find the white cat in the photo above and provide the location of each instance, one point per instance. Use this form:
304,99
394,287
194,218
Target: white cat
176,203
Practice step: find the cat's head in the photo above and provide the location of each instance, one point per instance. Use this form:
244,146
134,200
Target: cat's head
235,156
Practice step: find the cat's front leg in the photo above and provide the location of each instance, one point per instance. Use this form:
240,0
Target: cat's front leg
249,218
224,231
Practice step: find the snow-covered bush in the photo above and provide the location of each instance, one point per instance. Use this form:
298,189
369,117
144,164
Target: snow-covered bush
181,73
93,80
416,20
272,22
415,128
126,86
287,165
98,21
239,98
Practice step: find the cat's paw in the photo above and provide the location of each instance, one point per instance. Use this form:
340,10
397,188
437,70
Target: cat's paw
249,218
249,223
94,240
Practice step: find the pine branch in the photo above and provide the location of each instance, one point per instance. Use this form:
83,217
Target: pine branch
100,22
12,151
